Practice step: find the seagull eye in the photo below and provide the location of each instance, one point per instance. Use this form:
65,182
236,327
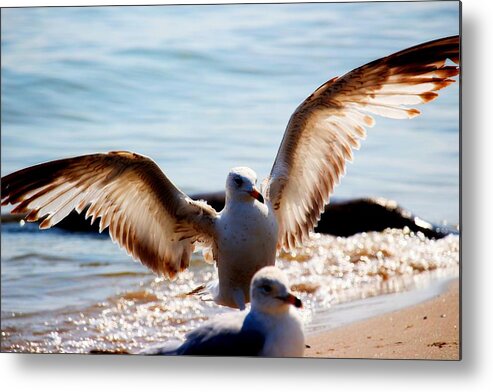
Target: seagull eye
238,181
266,288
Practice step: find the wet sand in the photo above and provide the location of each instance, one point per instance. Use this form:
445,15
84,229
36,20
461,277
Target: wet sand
429,330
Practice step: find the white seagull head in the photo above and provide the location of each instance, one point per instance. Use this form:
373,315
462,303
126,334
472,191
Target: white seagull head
269,292
240,185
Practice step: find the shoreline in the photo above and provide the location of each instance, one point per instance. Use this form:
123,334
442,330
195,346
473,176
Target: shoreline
428,330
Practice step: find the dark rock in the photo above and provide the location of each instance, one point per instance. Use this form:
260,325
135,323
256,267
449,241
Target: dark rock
340,218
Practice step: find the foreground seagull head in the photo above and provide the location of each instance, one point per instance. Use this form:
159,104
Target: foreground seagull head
270,294
272,328
159,225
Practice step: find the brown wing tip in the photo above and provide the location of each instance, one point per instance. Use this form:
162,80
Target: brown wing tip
413,113
369,121
46,224
19,209
428,96
442,84
447,72
33,216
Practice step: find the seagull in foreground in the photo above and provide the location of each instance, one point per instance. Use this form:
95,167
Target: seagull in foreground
272,328
159,225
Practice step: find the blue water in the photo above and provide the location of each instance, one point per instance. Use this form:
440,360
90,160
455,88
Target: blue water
201,89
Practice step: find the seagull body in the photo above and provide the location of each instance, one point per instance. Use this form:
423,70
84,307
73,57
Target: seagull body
246,239
159,225
272,327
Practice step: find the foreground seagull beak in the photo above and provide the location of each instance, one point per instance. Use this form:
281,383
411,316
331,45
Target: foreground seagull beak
291,299
256,195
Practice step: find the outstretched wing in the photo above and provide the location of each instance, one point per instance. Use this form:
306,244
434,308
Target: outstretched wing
147,215
324,129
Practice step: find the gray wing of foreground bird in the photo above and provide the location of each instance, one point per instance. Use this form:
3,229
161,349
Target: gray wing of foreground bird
224,336
159,225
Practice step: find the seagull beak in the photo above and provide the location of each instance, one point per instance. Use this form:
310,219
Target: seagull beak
292,300
256,195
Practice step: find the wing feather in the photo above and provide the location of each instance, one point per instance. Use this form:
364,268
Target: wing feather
144,211
330,123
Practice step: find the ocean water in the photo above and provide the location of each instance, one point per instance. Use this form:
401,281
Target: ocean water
201,89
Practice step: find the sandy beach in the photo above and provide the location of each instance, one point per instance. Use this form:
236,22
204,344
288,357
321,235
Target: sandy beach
429,330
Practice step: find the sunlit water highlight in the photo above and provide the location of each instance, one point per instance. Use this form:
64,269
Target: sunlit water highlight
113,307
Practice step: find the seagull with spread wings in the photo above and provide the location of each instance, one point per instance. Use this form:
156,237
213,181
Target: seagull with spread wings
160,226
